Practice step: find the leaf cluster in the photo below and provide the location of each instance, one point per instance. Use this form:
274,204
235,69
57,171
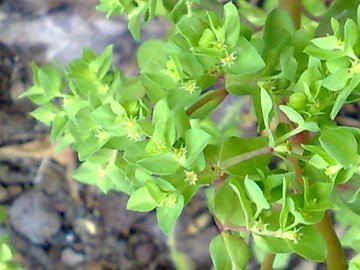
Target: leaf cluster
152,135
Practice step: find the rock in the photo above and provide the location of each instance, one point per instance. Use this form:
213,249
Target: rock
32,216
116,216
31,7
4,195
85,226
71,258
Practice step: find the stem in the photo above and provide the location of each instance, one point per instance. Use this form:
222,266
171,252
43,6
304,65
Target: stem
288,135
294,8
245,156
336,259
268,262
205,99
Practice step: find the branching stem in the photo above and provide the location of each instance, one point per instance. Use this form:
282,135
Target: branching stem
268,262
245,156
336,259
205,99
294,8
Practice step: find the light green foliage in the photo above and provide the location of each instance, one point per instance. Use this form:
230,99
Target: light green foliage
6,249
152,135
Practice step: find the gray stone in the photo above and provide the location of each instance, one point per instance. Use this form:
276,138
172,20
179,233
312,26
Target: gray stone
32,216
71,258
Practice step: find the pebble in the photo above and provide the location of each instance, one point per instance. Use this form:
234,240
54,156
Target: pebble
33,217
71,258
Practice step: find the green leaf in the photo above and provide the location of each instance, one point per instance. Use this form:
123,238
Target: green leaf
150,54
51,81
341,144
310,126
102,63
344,94
277,27
350,37
88,147
88,173
256,195
320,151
229,251
111,7
35,94
239,189
116,178
73,106
311,245
336,81
135,20
5,253
266,107
155,191
247,59
45,113
161,164
191,28
235,146
59,126
328,43
288,64
195,141
323,54
227,206
167,215
231,25
165,125
271,244
293,115
141,201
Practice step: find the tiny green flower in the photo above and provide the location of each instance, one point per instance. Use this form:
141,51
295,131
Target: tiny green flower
173,69
219,45
293,235
332,169
103,88
132,130
214,71
103,135
102,175
181,154
191,177
170,200
156,146
282,148
190,86
229,59
259,227
355,68
341,44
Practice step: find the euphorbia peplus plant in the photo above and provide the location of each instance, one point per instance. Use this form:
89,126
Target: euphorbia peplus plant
152,137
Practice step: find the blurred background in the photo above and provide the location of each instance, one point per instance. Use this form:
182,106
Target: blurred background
53,222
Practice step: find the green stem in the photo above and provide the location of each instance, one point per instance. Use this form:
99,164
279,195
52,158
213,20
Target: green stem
205,99
336,259
294,8
245,156
288,135
268,262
